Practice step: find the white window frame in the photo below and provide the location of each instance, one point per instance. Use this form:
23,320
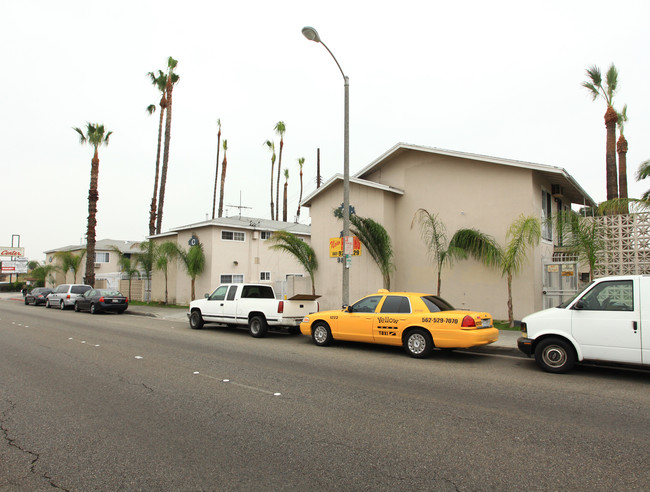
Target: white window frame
234,236
235,278
265,278
105,259
264,235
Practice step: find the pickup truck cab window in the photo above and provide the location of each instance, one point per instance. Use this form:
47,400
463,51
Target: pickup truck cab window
231,293
257,292
219,294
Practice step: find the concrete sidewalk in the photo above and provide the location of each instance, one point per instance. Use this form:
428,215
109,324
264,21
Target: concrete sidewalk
506,344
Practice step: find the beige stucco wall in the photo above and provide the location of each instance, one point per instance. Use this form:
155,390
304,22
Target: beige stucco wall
248,258
106,268
465,194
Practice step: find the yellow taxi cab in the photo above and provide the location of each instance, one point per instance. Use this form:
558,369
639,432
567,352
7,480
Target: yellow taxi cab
419,322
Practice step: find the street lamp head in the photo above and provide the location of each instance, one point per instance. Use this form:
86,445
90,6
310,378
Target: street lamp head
311,34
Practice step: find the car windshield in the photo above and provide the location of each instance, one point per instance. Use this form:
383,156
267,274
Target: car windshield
566,303
437,304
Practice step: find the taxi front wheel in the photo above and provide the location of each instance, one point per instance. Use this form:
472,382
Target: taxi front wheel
321,334
418,343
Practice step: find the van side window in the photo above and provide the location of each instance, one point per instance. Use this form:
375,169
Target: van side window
609,296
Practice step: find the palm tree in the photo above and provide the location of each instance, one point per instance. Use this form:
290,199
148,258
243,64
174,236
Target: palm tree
171,80
284,200
303,252
216,171
167,251
595,87
301,162
40,273
523,232
621,149
280,128
96,136
128,267
377,242
70,263
160,82
194,261
581,235
271,146
224,165
464,243
146,261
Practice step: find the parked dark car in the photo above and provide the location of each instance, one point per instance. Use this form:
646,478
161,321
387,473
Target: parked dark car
101,300
37,296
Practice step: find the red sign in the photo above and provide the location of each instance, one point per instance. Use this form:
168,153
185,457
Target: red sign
6,251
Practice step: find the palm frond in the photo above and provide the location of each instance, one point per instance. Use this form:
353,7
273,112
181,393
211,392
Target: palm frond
643,171
474,243
611,80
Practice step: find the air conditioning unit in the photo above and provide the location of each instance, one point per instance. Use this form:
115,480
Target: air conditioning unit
557,191
97,265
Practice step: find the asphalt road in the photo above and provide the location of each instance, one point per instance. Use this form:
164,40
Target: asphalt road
117,402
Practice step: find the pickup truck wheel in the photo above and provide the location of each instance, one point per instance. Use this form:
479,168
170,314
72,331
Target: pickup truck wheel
418,343
555,355
257,326
321,334
196,320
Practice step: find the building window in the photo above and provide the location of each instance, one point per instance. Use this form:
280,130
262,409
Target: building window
265,276
231,279
233,236
266,234
547,225
101,257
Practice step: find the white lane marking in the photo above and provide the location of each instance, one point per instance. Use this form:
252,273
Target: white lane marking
246,386
139,357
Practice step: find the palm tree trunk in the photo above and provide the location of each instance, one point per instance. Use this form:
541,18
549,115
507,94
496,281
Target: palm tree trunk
166,297
93,197
439,279
216,173
511,320
224,165
163,178
610,158
193,296
621,148
284,203
272,175
277,188
153,212
299,199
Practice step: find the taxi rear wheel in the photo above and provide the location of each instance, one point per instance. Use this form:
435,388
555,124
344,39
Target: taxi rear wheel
418,343
321,334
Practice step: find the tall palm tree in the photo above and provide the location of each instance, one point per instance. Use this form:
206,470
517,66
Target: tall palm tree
595,87
463,244
194,262
284,199
303,252
271,146
95,136
522,233
216,171
621,149
166,252
377,242
172,80
280,129
160,82
224,165
301,162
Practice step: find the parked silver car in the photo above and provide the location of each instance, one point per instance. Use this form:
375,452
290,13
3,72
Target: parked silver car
65,294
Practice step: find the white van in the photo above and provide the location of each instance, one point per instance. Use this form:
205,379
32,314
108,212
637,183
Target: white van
608,321
64,295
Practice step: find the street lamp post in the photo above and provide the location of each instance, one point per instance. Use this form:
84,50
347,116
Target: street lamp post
311,34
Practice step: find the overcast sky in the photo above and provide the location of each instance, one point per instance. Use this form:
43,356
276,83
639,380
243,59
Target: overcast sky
500,78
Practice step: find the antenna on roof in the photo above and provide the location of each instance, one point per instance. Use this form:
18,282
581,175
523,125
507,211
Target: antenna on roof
240,206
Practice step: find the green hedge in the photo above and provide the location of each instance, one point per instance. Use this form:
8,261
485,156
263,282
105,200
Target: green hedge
14,287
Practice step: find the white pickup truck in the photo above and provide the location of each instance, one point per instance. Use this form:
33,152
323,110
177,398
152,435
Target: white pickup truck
608,321
252,305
